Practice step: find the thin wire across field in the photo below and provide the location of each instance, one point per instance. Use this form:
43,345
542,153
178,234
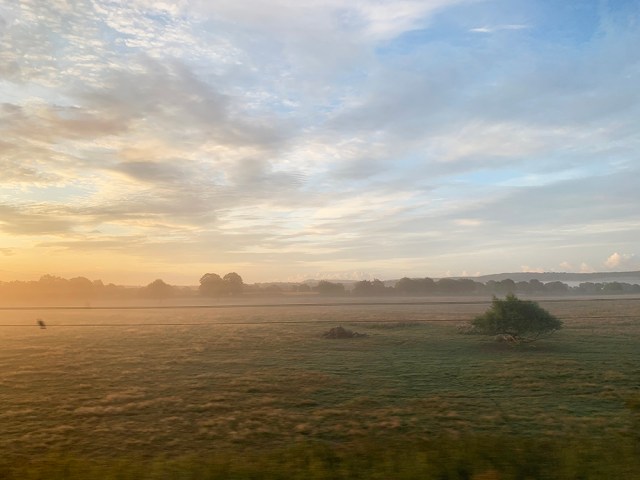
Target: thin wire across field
444,319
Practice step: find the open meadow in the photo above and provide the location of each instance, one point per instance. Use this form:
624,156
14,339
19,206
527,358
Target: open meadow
240,386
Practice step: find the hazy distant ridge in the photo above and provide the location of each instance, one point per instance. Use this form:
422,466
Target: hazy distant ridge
602,277
631,277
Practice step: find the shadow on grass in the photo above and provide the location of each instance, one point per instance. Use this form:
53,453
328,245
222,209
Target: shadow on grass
491,346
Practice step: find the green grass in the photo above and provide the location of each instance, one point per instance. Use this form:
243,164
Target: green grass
115,399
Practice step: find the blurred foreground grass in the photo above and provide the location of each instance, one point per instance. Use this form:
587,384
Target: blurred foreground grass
445,458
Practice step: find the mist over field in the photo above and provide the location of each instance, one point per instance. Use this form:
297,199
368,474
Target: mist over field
51,290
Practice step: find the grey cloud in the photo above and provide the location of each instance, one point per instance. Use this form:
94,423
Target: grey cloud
152,171
24,221
13,169
571,202
11,112
15,172
169,97
154,89
179,191
50,123
359,170
113,88
560,92
122,243
404,103
74,122
253,177
195,247
156,209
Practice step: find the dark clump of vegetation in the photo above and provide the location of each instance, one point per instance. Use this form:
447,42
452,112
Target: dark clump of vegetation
392,325
439,458
341,332
515,321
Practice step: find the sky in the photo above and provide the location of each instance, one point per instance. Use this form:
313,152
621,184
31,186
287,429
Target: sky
295,139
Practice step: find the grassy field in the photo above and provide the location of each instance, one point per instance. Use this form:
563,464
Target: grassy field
260,383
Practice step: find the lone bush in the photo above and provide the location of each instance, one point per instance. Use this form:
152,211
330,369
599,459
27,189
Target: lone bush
340,332
516,320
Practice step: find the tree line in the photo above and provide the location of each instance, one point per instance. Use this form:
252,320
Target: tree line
465,286
54,288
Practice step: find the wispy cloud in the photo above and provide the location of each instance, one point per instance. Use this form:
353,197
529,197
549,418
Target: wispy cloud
497,28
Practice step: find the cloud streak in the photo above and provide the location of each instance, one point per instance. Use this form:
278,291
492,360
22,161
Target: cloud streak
497,28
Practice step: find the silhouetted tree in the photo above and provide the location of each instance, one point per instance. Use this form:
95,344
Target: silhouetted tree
506,286
81,287
613,287
415,286
329,288
556,287
302,288
52,286
368,288
233,284
158,289
536,286
589,288
211,285
453,286
523,287
407,286
272,289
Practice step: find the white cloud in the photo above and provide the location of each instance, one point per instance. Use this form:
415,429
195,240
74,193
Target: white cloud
497,28
384,20
478,141
363,19
566,266
617,260
586,268
528,269
613,260
464,273
468,222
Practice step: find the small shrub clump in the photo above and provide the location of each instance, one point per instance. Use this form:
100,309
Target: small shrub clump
340,332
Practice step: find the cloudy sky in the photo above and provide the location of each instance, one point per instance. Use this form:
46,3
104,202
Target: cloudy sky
292,139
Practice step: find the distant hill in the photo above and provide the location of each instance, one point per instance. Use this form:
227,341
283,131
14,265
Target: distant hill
565,277
595,277
313,282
